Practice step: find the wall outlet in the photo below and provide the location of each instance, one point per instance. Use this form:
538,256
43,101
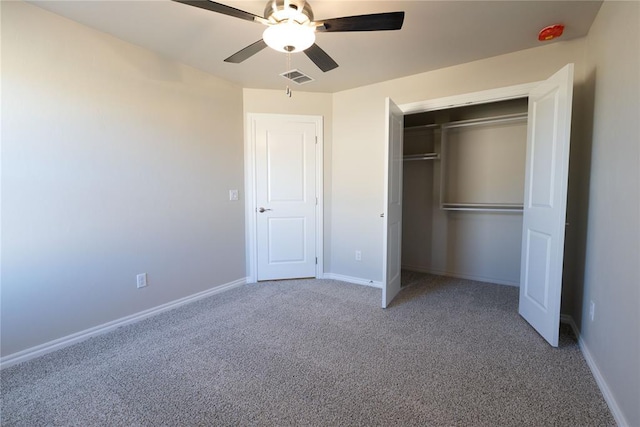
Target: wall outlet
358,255
141,280
233,195
592,310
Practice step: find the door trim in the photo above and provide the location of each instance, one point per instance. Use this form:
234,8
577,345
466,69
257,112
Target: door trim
250,191
472,98
488,96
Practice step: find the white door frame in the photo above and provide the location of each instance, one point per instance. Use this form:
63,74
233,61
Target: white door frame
483,97
473,98
250,192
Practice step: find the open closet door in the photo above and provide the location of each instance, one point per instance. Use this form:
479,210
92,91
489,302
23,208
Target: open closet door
545,203
392,234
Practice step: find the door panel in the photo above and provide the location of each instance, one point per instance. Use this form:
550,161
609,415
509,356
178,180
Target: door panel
545,202
286,240
285,167
392,236
285,197
543,150
538,251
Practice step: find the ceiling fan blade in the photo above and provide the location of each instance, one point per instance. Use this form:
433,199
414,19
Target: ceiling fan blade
247,52
372,22
221,8
321,58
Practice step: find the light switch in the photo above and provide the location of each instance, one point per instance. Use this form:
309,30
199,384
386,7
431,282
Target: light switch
233,195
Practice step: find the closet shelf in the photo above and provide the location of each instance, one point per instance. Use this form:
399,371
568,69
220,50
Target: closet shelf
486,121
484,207
423,156
419,127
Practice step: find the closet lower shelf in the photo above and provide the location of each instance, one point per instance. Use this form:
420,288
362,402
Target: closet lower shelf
424,156
483,207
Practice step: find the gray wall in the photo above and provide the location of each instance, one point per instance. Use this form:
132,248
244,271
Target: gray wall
609,259
114,162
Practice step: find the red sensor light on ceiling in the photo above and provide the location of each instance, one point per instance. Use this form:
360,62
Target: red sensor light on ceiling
550,32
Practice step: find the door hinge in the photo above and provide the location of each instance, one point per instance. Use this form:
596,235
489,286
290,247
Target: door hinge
316,139
316,260
316,201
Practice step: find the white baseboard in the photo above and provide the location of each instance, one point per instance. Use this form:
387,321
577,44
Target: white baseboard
42,349
460,275
356,280
618,416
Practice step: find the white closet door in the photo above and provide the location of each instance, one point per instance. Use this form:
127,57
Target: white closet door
545,202
392,235
286,197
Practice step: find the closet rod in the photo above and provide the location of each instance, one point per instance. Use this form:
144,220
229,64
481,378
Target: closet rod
488,120
485,207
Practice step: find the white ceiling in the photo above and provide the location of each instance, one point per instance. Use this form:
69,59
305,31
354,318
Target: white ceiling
435,34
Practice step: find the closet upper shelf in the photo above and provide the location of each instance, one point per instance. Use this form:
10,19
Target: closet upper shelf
419,142
422,127
486,121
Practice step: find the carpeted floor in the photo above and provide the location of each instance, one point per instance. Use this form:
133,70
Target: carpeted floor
316,352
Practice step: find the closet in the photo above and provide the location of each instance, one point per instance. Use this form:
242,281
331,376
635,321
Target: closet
463,191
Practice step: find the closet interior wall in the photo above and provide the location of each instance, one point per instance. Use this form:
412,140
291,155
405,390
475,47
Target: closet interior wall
465,220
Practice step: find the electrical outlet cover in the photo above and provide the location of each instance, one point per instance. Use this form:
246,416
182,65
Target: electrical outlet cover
141,280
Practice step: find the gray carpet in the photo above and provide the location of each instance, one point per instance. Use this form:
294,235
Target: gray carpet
316,352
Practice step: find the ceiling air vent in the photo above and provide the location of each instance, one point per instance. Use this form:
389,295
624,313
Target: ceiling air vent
297,76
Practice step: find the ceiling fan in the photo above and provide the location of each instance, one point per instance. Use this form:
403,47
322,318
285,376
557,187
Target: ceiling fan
291,28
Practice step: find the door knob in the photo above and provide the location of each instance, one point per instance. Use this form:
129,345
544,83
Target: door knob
261,210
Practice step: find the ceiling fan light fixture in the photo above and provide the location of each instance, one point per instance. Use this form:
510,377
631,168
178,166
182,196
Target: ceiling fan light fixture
289,37
291,28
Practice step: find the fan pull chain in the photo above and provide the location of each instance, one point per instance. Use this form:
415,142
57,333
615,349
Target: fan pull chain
288,91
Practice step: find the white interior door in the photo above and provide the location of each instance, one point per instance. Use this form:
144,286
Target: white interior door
286,197
392,240
545,203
